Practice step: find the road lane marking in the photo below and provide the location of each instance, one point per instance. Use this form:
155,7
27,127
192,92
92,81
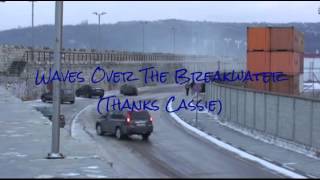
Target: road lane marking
75,119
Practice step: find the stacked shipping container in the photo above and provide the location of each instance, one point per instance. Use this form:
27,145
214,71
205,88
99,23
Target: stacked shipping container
276,49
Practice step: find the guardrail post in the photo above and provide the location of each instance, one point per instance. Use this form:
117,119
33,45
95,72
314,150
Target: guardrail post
245,108
225,97
311,124
277,120
230,105
222,101
237,106
294,119
265,112
254,110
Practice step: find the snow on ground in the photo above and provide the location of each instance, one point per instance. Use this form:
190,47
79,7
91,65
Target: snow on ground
310,86
272,140
76,127
230,148
267,138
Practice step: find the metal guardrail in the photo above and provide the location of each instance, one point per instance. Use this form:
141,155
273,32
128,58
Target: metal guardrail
45,57
212,66
288,117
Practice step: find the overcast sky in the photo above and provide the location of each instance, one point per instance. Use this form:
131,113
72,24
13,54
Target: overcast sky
18,14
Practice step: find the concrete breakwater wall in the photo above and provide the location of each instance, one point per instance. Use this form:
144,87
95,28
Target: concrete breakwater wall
18,66
24,86
28,61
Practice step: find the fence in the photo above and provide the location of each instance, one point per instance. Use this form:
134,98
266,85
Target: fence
214,65
291,118
45,57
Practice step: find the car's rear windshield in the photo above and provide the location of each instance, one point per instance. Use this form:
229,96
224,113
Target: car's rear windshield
140,115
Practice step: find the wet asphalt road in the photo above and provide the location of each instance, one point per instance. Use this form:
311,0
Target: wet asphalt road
170,151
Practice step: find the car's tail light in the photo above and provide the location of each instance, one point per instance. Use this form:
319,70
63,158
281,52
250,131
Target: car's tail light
128,119
151,119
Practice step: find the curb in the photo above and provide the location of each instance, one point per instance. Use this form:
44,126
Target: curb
270,165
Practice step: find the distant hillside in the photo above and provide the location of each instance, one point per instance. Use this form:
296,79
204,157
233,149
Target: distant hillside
191,37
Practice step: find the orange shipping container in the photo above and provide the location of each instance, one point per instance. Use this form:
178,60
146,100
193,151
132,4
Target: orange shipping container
258,85
286,62
286,39
290,86
258,39
258,61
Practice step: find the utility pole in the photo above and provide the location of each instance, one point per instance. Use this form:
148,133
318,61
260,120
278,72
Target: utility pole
213,47
99,35
32,44
55,146
173,40
32,34
32,26
238,42
143,36
227,40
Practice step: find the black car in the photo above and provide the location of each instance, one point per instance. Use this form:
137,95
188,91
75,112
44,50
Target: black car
89,91
128,90
66,95
125,123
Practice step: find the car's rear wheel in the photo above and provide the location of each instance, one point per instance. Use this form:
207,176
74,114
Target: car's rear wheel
119,134
72,102
43,99
99,130
145,137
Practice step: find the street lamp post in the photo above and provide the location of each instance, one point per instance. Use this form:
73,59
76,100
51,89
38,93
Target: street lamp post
238,42
143,36
213,47
227,40
99,17
32,39
32,26
173,40
55,154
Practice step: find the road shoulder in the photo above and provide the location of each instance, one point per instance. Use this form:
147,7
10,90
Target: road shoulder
209,127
